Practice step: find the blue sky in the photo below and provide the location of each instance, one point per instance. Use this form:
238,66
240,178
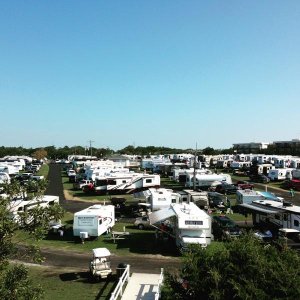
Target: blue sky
162,73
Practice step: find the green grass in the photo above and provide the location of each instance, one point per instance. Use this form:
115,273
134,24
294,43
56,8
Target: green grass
65,285
137,242
44,170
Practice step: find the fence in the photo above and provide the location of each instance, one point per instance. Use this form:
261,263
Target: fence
118,291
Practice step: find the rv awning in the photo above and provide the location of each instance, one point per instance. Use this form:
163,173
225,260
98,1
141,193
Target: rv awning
259,209
161,215
269,196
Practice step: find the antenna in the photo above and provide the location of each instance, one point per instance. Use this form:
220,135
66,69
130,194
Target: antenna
90,142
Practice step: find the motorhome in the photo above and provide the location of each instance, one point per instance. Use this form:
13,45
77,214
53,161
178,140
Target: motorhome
126,183
94,221
205,181
188,224
280,174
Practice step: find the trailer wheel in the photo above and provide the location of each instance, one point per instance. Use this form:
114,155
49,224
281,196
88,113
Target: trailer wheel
141,226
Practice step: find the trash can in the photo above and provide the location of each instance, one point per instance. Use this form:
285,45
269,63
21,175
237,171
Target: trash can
121,269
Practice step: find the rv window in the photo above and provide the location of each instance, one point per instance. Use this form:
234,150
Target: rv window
296,223
101,182
20,208
124,181
111,182
148,180
100,221
173,200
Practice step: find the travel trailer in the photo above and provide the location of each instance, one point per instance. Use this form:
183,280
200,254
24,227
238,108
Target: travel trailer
126,183
187,223
20,204
205,181
280,174
94,221
274,213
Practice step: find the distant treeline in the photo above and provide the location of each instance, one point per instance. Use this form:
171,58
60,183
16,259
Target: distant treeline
51,152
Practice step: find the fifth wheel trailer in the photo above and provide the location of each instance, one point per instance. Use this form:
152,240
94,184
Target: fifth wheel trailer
191,225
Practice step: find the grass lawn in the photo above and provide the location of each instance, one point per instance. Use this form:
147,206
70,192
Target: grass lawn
43,171
61,284
137,242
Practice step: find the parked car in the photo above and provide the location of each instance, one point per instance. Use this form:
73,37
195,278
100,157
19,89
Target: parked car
226,188
142,222
224,228
244,185
261,178
80,184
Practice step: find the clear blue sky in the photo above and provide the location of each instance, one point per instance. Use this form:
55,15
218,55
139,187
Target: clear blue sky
163,73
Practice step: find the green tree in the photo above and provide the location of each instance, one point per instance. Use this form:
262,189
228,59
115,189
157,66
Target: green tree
239,269
14,280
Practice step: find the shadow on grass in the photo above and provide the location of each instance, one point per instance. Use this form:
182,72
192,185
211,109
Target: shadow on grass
144,242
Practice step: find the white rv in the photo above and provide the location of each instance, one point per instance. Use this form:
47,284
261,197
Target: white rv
161,198
280,174
94,221
4,178
191,225
126,183
20,204
207,180
279,214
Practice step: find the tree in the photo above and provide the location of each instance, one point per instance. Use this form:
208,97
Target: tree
238,269
40,154
14,279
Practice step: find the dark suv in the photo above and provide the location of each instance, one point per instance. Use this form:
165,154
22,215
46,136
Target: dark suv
225,228
226,188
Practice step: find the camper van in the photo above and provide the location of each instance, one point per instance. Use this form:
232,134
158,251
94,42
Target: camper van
94,221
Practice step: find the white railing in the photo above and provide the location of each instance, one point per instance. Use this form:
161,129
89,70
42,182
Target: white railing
118,291
160,282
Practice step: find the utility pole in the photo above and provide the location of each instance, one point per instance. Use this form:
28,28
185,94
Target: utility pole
194,179
90,142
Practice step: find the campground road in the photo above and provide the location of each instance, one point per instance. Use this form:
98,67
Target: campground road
80,261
